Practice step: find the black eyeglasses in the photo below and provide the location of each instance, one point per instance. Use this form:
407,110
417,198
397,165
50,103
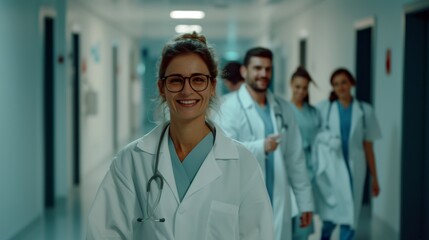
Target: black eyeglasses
176,82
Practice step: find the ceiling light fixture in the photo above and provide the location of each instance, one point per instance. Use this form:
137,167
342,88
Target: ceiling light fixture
231,56
187,14
188,28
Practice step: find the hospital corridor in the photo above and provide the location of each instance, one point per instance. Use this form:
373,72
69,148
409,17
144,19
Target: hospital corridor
82,79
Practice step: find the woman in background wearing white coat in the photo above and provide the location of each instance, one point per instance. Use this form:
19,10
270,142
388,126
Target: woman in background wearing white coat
185,179
355,125
309,121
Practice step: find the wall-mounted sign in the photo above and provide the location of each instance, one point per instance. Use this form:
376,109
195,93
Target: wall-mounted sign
95,53
83,66
388,61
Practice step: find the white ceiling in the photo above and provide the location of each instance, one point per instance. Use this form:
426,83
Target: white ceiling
225,19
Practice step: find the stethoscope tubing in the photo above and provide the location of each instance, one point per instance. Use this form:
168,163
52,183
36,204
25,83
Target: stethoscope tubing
157,177
283,125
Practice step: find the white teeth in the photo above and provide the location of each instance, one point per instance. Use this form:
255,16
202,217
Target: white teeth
187,101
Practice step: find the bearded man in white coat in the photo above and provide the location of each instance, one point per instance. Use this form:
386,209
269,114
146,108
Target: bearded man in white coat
265,124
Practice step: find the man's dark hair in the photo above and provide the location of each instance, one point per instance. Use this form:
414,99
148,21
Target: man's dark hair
257,52
231,72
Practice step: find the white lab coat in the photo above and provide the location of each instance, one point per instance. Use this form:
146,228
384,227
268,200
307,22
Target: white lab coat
240,120
333,195
311,122
226,200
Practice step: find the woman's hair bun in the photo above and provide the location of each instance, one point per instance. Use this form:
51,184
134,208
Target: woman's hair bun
192,36
301,69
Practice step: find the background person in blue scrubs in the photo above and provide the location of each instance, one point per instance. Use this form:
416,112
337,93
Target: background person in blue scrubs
309,121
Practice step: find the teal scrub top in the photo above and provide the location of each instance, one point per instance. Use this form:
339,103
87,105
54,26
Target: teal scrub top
309,122
264,113
185,172
345,127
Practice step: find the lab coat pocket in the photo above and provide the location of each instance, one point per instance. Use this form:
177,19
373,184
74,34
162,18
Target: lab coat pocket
325,186
222,221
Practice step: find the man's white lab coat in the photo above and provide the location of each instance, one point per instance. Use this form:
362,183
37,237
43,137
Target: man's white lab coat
240,120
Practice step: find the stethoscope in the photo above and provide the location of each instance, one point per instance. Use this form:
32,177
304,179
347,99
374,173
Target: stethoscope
328,115
277,114
159,180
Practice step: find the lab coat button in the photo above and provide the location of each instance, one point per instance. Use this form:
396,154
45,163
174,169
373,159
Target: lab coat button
182,211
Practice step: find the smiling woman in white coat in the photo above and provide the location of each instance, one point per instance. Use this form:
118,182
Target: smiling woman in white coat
185,179
350,127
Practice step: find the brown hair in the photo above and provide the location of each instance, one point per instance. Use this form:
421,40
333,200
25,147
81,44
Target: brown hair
185,44
333,96
231,72
302,72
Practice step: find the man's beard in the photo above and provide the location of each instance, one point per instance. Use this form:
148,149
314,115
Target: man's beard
255,87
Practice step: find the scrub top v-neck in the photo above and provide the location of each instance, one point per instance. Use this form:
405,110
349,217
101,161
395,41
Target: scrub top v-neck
308,123
185,171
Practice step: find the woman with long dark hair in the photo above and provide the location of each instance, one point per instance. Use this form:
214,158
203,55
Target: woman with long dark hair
340,179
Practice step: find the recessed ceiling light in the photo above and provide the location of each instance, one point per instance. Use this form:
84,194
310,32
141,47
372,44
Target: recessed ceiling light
187,14
231,56
188,28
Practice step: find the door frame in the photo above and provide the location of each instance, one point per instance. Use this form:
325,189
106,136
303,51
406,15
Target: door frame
48,76
365,23
115,95
414,181
303,52
76,103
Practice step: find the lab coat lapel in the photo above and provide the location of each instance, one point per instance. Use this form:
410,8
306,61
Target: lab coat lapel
208,172
356,115
149,144
275,110
254,120
335,119
166,168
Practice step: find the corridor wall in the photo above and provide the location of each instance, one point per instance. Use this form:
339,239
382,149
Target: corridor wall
98,38
21,118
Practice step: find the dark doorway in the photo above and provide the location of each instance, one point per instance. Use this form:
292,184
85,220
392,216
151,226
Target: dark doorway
364,84
49,134
364,64
303,53
115,96
415,125
76,108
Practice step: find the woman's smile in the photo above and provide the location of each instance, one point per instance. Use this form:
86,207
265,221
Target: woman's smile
187,102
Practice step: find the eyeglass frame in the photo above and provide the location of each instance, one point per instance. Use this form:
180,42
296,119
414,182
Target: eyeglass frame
189,80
